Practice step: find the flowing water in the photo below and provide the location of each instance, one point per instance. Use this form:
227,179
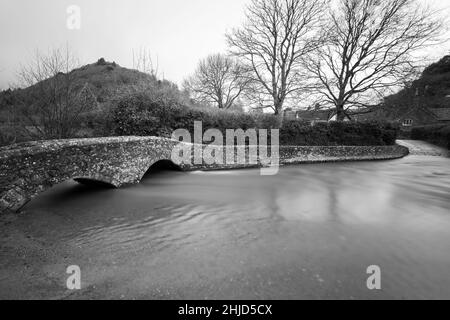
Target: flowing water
309,232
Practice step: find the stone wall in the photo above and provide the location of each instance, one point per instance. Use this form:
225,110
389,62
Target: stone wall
298,155
30,168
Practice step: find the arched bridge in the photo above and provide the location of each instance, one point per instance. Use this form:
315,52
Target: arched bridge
28,169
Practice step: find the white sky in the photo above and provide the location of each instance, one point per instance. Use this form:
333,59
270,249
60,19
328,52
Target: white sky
178,32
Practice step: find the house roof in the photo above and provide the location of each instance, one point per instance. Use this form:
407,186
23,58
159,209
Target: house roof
442,114
417,110
324,115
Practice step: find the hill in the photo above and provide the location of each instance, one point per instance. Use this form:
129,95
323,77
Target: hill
424,101
432,89
77,103
105,80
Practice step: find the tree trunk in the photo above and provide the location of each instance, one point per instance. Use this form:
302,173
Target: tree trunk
340,113
278,106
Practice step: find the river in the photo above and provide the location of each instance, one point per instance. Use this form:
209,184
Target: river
309,232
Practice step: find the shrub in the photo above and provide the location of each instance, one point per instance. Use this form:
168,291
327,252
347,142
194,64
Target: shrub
10,134
141,114
6,137
438,134
95,124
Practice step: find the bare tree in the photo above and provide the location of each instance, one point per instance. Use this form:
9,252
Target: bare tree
368,47
52,102
273,41
143,61
218,80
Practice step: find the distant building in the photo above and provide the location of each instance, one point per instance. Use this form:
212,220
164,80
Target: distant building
290,114
408,117
313,116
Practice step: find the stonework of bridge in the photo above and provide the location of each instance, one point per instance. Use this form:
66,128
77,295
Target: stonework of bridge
29,169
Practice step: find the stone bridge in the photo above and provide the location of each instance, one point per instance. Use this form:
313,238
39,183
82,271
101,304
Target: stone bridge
28,169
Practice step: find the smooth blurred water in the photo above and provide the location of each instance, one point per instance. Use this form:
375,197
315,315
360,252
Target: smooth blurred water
309,232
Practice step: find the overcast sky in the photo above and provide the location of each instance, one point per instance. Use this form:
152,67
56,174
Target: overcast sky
178,32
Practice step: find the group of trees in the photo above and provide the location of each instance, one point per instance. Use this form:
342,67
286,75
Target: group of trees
344,53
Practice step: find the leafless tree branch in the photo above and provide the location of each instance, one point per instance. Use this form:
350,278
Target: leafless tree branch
274,40
218,80
52,100
368,47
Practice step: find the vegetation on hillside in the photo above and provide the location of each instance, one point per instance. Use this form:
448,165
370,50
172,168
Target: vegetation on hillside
431,90
58,99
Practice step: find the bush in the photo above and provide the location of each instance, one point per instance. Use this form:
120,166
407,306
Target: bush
10,134
438,134
142,115
139,114
6,137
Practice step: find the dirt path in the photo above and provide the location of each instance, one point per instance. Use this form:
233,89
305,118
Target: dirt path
422,148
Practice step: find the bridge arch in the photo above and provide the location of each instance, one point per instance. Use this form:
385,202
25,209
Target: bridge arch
94,182
163,165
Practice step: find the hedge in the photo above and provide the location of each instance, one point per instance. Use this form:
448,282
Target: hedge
438,134
295,132
141,115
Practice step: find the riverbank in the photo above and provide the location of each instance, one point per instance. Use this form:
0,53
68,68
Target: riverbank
423,148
